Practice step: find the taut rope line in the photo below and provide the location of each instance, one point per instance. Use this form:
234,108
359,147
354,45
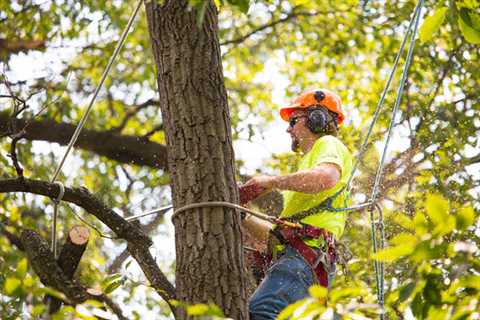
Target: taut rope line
79,127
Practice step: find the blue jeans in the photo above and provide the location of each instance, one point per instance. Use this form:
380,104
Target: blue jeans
286,282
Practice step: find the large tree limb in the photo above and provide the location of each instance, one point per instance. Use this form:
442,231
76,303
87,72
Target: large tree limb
121,148
138,242
50,274
19,45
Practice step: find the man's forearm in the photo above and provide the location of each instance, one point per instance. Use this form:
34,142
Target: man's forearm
307,181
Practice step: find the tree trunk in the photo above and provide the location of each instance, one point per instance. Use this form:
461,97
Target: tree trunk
196,120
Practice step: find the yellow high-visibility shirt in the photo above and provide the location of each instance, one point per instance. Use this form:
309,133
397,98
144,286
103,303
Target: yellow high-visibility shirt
331,150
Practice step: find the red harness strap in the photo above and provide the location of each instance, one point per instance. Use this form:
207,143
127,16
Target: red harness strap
294,238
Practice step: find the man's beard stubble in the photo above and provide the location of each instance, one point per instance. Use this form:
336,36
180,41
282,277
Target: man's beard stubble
295,144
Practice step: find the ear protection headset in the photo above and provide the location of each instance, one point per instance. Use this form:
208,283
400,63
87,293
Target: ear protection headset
319,117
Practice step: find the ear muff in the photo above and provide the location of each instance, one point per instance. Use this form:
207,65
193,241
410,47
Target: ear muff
319,118
316,120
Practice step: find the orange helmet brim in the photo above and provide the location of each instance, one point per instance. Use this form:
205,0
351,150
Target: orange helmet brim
286,112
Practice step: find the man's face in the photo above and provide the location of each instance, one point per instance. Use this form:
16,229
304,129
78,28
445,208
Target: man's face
297,128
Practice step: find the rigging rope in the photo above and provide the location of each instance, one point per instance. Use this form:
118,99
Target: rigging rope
79,127
380,265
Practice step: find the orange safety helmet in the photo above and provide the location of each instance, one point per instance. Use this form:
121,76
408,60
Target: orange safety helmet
322,97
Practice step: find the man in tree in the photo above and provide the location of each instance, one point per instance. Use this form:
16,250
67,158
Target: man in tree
307,255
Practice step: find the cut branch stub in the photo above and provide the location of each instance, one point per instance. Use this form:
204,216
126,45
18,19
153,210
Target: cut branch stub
70,257
43,263
73,249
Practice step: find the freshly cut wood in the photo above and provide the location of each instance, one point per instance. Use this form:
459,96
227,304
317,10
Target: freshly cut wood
73,250
69,258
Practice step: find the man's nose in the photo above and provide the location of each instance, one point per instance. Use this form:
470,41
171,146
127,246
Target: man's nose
289,129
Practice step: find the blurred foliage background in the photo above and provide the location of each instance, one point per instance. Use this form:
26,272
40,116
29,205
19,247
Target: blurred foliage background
52,54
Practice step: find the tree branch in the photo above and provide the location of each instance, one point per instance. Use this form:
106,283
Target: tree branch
21,45
290,16
138,242
121,148
50,274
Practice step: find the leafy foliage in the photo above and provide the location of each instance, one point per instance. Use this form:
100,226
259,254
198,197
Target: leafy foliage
271,51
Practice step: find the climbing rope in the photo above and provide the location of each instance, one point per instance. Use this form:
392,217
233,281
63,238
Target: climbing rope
81,124
259,215
380,268
56,202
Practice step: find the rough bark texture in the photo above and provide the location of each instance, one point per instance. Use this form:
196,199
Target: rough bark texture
70,257
51,275
196,121
49,272
121,148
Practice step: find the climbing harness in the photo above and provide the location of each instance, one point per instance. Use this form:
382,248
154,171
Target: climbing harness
321,260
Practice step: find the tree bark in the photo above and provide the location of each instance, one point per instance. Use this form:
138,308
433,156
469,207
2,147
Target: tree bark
51,275
196,119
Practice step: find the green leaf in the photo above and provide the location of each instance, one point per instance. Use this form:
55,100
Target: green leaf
394,253
431,292
421,225
431,24
243,5
11,286
128,264
112,282
317,291
288,311
437,209
406,291
53,293
470,34
197,310
404,221
471,282
403,238
22,268
204,310
113,285
110,278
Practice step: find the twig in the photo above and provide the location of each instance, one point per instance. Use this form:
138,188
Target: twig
13,153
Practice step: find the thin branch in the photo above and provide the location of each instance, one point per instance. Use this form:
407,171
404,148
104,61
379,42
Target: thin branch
13,154
133,111
290,16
